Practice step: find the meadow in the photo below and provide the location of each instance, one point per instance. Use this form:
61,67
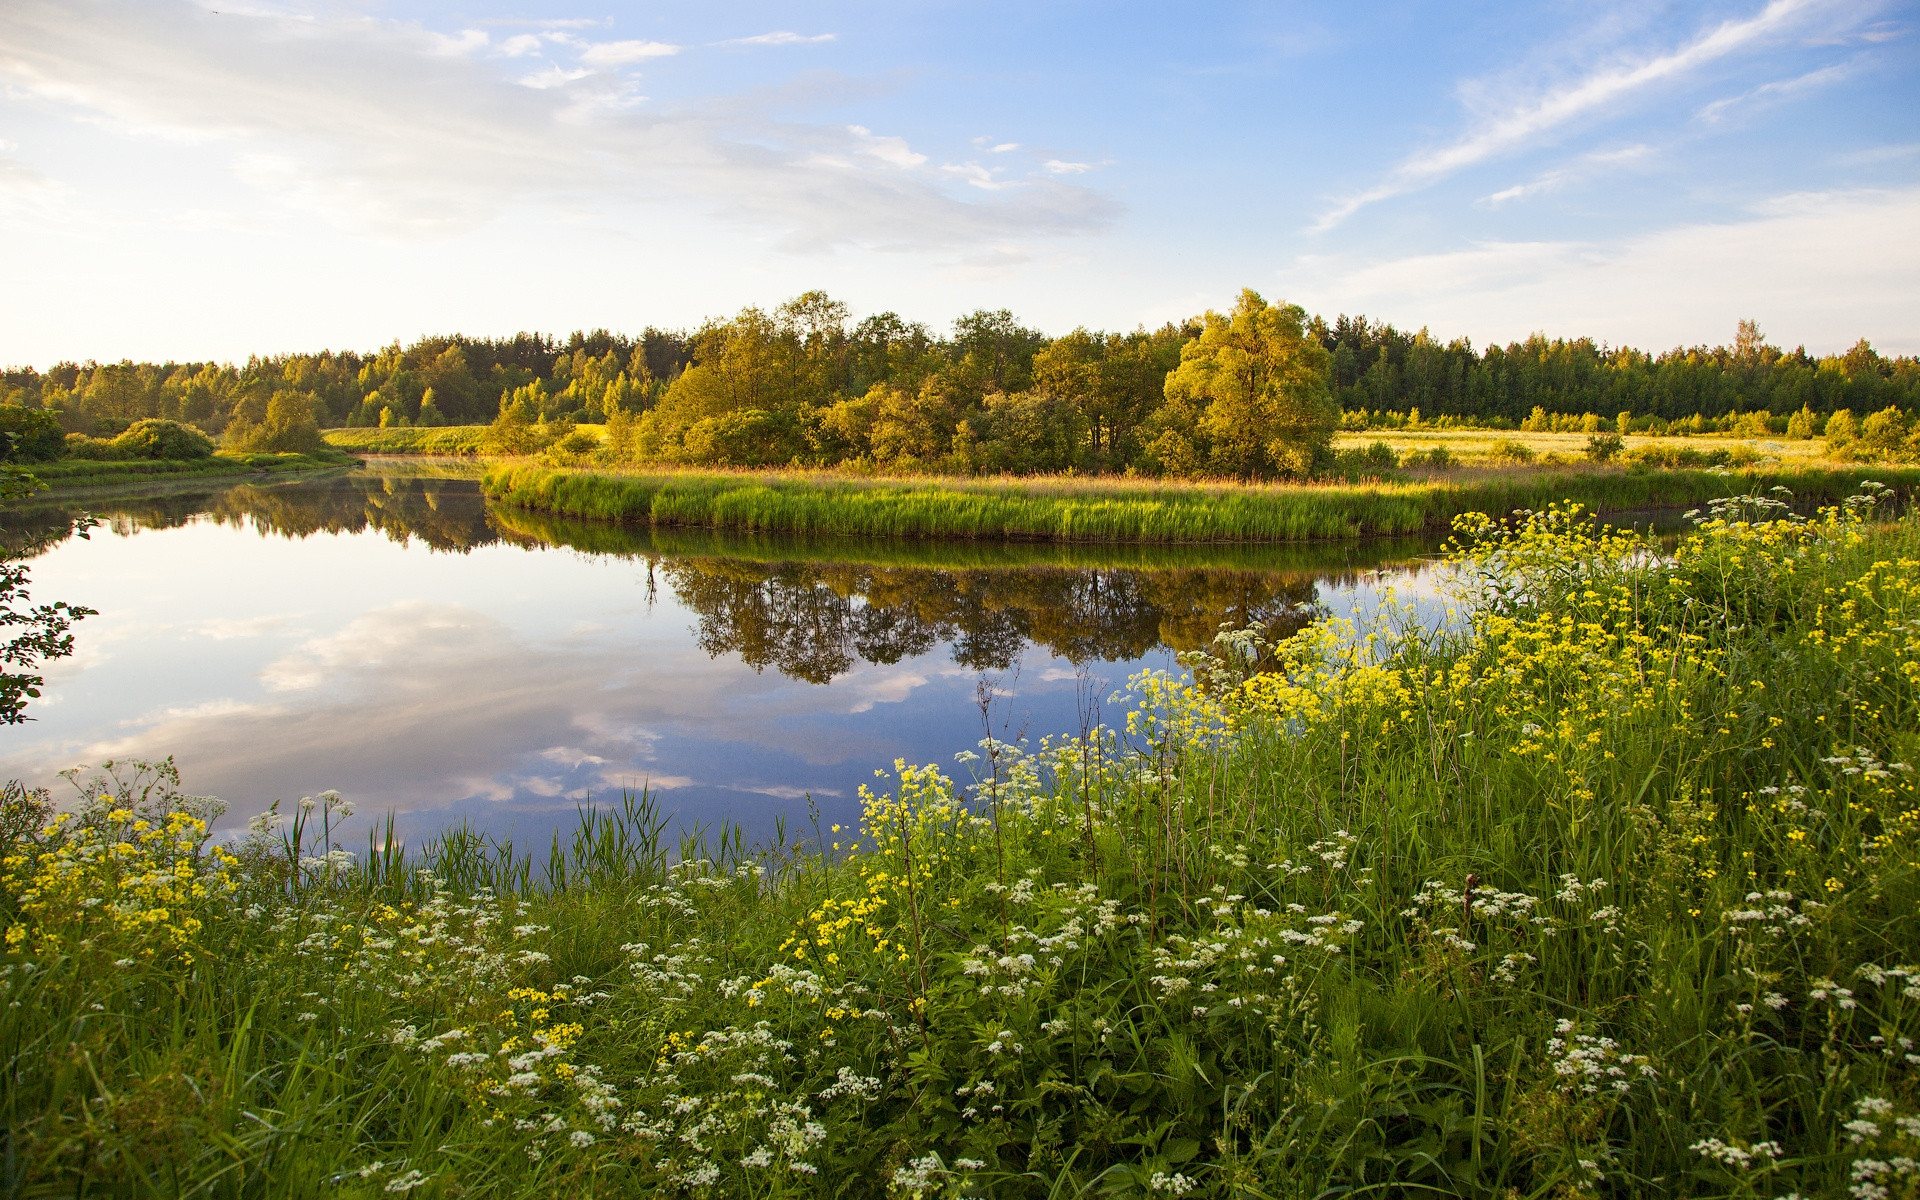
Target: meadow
1604,887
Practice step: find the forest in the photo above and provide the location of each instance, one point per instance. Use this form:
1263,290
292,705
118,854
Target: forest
1255,391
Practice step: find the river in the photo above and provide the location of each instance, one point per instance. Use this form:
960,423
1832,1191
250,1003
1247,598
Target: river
387,633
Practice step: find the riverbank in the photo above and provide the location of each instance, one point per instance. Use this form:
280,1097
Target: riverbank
75,474
1121,510
1609,889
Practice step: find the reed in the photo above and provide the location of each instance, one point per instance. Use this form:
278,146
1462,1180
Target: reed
1106,510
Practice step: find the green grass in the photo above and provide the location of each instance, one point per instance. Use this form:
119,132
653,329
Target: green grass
1608,889
75,472
534,528
1107,510
456,440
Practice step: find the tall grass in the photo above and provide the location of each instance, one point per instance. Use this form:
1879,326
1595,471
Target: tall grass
1102,510
1605,888
461,440
533,528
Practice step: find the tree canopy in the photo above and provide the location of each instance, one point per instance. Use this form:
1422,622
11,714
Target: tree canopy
1254,391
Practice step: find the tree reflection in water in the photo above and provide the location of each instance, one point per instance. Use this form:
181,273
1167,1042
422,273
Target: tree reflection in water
813,609
814,621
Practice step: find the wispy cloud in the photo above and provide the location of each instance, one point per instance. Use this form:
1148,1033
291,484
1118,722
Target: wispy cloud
1782,88
782,37
1821,268
389,127
1586,166
1593,93
613,54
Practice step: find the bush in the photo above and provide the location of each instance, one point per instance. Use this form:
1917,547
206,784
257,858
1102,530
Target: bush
1604,447
1508,450
92,449
1436,459
29,435
168,440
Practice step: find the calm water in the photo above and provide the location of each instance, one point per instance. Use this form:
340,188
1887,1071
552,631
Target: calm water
393,636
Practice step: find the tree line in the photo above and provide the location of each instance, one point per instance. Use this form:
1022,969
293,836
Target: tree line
1257,390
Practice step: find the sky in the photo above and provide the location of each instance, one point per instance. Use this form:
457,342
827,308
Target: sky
195,179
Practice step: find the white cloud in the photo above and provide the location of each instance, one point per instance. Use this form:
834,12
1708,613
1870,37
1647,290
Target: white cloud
1599,90
553,77
1584,167
222,629
1004,147
782,37
979,176
611,54
1058,167
1822,269
373,125
467,41
1808,82
890,150
1880,154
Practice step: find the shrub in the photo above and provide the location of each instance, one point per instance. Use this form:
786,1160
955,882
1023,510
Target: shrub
1436,459
92,449
163,440
1508,450
1604,447
29,435
1841,430
1884,431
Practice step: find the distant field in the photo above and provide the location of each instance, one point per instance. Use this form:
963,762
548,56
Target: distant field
1471,444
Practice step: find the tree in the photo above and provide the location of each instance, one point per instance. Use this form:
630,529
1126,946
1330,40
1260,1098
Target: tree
1259,385
41,632
287,427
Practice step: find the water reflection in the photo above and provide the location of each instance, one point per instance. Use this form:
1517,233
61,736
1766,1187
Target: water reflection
813,608
392,635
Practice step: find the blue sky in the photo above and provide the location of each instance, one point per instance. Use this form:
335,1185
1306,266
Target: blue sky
215,178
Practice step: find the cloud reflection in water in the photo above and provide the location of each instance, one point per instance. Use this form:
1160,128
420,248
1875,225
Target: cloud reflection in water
393,637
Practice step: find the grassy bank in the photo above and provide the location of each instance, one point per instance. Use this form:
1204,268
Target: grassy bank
452,440
1110,510
87,473
1607,890
533,528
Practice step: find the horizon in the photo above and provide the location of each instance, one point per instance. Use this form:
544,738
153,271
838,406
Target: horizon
198,181
689,333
